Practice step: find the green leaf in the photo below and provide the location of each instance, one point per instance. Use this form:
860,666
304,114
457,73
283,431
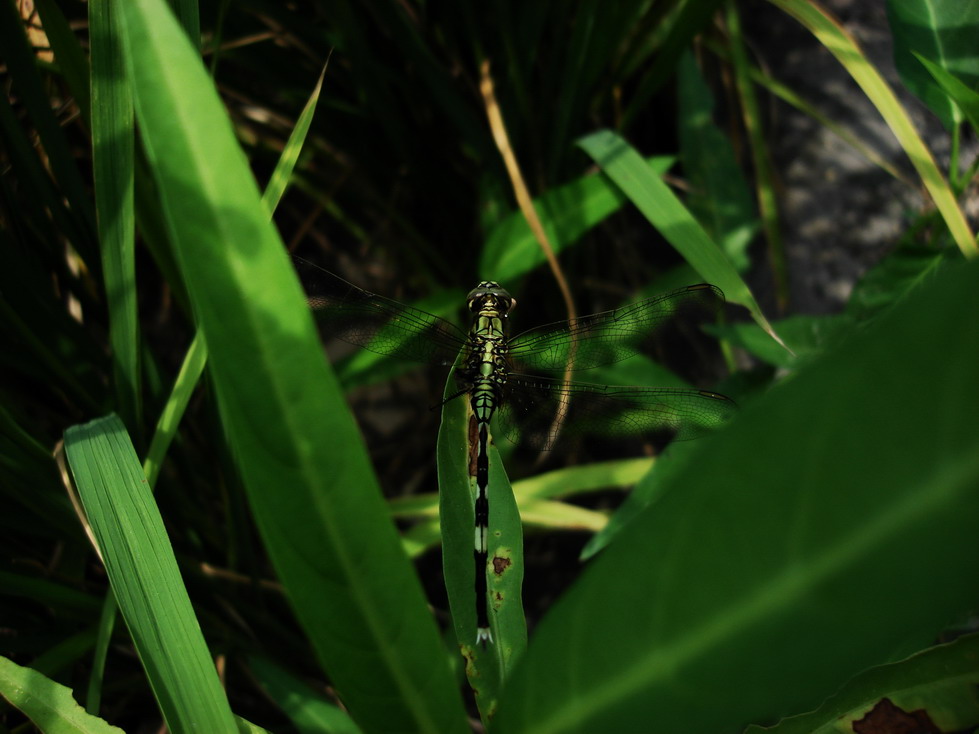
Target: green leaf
761,161
901,271
286,164
139,560
647,490
941,682
196,357
966,98
310,486
829,528
309,712
582,478
247,727
566,213
943,31
719,196
806,336
668,214
48,704
487,667
167,424
67,600
113,135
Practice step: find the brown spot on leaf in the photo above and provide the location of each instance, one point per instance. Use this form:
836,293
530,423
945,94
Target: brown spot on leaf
500,564
473,444
469,655
886,718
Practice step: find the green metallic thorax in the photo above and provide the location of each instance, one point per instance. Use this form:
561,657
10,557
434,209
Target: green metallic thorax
486,366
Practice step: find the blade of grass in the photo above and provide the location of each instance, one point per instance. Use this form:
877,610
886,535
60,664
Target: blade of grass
792,97
284,167
113,135
550,515
566,213
310,486
169,421
107,623
308,711
143,572
32,92
72,61
584,478
839,43
247,727
533,513
764,177
520,190
668,214
66,653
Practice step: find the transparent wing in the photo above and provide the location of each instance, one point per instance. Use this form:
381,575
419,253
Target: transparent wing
376,323
610,336
531,403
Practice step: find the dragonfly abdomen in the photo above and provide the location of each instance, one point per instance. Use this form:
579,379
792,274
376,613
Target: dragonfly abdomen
486,372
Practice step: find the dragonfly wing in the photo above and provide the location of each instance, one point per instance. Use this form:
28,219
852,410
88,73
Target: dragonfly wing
610,336
376,323
541,410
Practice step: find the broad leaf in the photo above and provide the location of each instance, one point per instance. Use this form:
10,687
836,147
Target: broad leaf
944,32
830,528
310,487
941,683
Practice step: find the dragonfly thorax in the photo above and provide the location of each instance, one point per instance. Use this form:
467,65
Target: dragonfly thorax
490,296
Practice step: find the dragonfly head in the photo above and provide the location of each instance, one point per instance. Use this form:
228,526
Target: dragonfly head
489,295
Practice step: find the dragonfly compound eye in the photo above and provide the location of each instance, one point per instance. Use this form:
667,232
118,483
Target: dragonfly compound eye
489,294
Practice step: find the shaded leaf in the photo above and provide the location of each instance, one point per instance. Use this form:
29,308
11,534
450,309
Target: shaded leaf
867,487
311,489
48,704
941,683
942,31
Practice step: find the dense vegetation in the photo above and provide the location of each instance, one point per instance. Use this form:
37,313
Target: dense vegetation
214,506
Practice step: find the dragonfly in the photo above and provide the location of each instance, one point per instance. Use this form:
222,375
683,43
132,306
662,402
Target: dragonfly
514,378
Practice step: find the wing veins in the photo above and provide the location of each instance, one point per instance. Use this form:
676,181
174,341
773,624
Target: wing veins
608,336
376,323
